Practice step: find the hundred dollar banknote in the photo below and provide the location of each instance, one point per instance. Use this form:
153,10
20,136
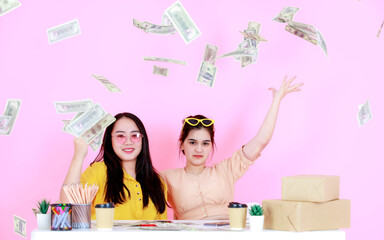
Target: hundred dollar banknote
20,226
74,106
152,28
301,34
253,36
286,14
364,115
12,110
182,22
240,52
96,143
305,28
108,84
85,121
4,120
98,128
210,53
63,31
321,42
7,6
207,74
378,34
160,71
168,60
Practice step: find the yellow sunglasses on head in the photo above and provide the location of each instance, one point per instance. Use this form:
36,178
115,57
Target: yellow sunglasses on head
194,121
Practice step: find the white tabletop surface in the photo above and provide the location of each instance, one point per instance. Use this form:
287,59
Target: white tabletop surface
181,230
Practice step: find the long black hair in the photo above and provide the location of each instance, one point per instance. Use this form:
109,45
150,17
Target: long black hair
148,177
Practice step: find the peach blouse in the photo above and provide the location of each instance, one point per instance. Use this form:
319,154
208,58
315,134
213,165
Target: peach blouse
206,195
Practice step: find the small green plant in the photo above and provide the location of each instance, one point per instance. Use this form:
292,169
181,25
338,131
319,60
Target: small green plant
43,206
256,210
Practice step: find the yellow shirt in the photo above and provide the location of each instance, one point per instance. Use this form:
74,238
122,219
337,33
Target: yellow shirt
132,209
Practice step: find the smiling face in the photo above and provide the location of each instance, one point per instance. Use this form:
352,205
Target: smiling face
197,147
126,139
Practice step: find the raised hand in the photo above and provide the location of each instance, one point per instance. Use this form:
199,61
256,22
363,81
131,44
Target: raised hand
285,88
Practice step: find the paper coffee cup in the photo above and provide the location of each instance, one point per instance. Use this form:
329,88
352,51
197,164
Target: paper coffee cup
237,215
104,215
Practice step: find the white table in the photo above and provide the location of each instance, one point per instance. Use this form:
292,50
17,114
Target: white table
193,231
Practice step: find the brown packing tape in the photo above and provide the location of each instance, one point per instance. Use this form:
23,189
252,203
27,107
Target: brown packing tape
310,188
306,216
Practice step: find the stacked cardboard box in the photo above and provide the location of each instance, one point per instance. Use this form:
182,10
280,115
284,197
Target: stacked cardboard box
308,203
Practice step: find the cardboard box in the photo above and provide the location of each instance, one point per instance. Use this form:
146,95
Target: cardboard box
306,216
310,188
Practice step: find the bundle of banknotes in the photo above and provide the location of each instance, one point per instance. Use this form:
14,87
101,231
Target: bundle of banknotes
175,18
301,30
7,6
89,122
207,73
8,119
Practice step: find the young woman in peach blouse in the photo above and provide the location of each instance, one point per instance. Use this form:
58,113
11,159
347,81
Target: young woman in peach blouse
200,192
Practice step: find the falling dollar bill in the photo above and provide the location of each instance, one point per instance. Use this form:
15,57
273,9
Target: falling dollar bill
207,74
210,53
253,36
182,22
168,60
20,226
306,28
12,110
321,42
301,34
86,120
74,106
378,34
98,128
96,143
108,84
240,52
286,14
152,28
254,27
63,31
160,71
4,120
7,6
364,114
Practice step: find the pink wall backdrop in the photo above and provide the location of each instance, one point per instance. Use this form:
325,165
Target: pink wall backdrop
317,130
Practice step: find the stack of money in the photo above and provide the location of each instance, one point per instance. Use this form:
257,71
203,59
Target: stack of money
182,22
301,30
7,6
108,84
89,122
247,51
207,73
63,31
364,114
8,119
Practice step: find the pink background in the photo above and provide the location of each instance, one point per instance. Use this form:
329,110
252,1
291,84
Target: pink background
317,130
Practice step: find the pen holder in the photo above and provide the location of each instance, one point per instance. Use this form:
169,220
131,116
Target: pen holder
81,215
61,217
